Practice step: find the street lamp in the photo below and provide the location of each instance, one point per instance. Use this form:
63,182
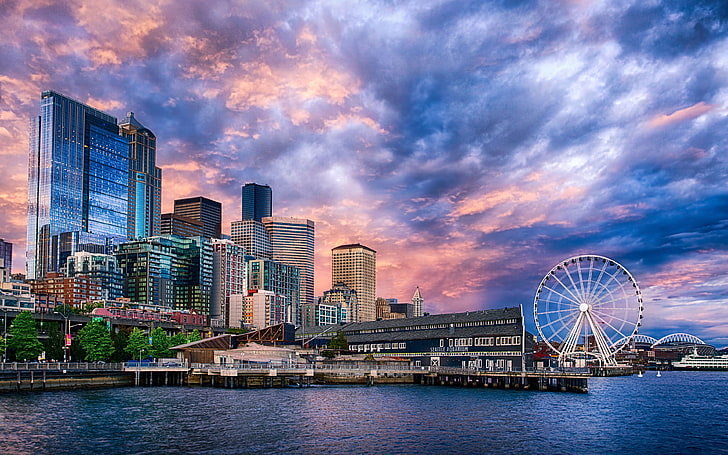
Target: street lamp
66,331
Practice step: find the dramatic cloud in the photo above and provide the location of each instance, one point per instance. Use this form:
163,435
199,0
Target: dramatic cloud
473,144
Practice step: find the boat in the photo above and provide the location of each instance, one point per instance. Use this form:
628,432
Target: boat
696,361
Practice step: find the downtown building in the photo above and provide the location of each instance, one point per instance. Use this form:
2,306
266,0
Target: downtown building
292,243
168,271
338,305
257,202
253,237
281,279
229,283
6,260
103,268
78,184
355,265
145,179
202,209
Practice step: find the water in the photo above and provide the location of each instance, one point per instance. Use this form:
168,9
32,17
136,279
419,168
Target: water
680,412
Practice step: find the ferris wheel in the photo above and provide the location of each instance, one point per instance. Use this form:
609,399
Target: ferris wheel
588,307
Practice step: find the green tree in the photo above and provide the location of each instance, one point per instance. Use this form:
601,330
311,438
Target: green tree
339,342
24,337
160,343
137,345
194,336
88,307
96,341
3,345
54,343
66,310
177,339
120,340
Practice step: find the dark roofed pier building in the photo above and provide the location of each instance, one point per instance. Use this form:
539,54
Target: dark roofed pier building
490,340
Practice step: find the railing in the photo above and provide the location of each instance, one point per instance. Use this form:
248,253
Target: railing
59,366
307,366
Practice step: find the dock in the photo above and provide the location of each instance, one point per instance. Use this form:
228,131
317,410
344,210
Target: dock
19,377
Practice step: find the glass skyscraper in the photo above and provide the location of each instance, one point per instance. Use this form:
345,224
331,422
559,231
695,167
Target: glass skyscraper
202,209
257,201
78,183
145,179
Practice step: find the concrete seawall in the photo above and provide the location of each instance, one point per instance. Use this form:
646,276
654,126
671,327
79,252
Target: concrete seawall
33,381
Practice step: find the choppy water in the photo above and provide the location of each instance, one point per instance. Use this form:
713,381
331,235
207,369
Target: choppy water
680,412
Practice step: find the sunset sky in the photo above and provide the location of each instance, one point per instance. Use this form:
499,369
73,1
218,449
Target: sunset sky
472,144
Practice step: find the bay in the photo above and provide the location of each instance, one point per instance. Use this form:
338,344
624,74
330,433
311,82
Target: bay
679,412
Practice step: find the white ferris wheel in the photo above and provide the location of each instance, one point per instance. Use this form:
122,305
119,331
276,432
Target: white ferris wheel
588,307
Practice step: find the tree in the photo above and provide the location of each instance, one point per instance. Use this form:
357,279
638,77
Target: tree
96,341
88,307
160,343
137,345
120,340
24,337
54,343
194,336
3,345
339,342
177,339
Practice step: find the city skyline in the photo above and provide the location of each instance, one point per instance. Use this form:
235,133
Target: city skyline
472,145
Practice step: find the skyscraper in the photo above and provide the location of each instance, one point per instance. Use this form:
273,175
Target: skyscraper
202,209
168,271
292,243
257,201
253,236
282,279
355,265
6,260
229,278
78,183
145,179
417,302
173,224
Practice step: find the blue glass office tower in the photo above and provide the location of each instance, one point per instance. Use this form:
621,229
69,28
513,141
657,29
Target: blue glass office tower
257,201
78,184
145,179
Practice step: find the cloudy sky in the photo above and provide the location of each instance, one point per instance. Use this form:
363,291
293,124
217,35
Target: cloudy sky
473,144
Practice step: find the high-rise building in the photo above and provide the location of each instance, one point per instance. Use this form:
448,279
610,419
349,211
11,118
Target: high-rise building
337,306
229,278
253,236
168,271
173,224
78,183
101,267
417,302
6,260
282,279
145,179
263,309
257,201
292,243
202,209
356,266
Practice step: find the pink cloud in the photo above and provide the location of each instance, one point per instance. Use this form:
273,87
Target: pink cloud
688,113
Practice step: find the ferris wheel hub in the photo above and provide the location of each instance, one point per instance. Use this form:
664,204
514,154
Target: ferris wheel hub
584,307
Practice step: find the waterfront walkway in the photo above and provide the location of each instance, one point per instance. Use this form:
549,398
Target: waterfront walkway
33,376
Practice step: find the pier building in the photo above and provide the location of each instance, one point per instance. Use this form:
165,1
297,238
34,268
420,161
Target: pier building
490,340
